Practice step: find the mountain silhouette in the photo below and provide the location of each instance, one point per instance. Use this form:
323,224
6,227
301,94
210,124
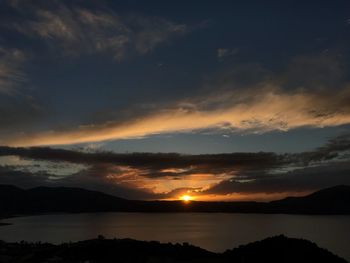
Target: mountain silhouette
334,200
17,201
56,199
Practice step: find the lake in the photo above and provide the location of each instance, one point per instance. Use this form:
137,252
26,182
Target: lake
212,231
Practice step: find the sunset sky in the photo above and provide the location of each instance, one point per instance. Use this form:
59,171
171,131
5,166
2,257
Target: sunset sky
217,100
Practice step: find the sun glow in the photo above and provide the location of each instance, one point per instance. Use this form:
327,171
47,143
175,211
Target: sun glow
186,198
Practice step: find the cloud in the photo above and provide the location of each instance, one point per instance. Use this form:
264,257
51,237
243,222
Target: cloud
337,148
73,30
326,166
300,180
167,176
226,52
82,179
302,96
262,109
11,74
165,163
138,175
55,169
248,99
34,28
10,176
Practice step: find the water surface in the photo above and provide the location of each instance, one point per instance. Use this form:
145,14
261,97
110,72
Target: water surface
213,231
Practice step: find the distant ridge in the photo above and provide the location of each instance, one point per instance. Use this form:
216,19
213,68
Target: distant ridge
333,200
14,200
17,201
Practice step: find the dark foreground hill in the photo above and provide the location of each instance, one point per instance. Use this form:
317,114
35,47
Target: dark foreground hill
17,201
276,249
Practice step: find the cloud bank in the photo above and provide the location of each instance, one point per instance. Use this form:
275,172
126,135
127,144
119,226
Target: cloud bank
262,109
167,176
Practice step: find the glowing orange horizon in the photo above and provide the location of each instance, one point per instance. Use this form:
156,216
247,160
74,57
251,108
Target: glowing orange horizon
186,198
261,197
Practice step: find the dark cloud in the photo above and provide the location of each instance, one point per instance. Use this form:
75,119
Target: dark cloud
23,179
335,148
96,179
153,161
326,166
85,179
133,175
299,180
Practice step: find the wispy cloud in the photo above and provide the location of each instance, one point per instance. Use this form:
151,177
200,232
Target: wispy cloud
73,30
226,52
11,74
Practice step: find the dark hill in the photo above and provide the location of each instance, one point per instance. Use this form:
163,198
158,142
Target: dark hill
334,200
281,249
14,200
276,249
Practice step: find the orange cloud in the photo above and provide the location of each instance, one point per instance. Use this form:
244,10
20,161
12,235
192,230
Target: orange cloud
260,110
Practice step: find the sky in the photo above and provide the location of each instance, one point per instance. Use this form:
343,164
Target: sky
229,100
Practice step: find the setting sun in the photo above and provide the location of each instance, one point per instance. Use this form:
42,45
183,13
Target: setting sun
186,198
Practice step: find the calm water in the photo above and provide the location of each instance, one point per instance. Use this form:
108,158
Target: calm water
215,232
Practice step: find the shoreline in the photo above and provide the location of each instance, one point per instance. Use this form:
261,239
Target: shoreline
3,218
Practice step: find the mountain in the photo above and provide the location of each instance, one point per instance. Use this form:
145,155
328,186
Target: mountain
17,201
272,250
334,200
14,200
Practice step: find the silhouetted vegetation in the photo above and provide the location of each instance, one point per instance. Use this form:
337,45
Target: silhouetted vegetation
275,249
281,249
